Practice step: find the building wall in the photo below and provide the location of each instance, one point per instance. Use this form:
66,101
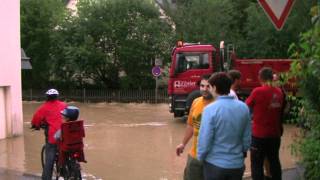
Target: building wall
11,122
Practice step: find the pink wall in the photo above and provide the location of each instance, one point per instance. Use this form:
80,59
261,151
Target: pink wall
10,69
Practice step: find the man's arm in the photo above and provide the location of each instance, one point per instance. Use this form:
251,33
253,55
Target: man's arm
188,133
206,134
250,101
187,136
37,118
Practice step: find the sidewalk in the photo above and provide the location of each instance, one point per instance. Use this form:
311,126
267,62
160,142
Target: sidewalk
288,174
293,174
15,175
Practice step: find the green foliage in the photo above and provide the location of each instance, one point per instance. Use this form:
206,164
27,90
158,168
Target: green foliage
306,70
294,106
208,21
311,151
38,22
264,41
242,23
111,37
106,38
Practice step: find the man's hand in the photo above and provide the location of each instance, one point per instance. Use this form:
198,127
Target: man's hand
179,149
35,127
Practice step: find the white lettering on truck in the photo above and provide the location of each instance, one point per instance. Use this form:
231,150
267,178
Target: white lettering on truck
184,84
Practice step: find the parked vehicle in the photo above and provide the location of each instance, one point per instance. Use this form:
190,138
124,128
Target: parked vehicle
189,61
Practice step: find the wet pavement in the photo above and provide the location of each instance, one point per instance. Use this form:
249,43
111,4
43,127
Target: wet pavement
123,141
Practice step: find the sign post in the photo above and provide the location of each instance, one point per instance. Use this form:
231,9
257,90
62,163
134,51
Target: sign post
277,11
156,72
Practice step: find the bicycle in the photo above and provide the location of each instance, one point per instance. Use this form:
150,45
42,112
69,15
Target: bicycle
70,169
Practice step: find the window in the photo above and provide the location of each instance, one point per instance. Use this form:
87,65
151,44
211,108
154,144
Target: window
186,61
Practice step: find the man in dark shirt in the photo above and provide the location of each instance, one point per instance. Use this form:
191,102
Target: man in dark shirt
266,102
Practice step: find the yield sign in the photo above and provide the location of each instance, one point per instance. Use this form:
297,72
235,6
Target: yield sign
277,11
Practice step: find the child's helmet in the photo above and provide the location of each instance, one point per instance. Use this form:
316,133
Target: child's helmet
71,112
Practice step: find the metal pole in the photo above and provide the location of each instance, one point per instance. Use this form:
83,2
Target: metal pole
31,94
156,90
84,95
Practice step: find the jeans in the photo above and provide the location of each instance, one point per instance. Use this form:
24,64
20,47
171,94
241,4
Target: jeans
50,156
262,148
212,172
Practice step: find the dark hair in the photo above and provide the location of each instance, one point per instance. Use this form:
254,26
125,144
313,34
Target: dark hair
203,77
234,75
222,82
266,74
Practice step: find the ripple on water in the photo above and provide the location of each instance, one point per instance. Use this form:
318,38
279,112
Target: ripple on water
141,124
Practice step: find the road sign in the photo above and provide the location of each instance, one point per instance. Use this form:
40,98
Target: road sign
158,62
277,11
156,71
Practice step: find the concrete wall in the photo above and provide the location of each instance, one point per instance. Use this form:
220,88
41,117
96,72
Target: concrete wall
11,122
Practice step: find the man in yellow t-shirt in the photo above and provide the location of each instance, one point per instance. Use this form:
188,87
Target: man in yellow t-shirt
194,170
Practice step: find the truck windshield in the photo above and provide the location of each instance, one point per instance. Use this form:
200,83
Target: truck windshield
186,61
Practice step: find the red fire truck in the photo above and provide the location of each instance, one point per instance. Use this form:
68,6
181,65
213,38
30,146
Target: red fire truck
192,60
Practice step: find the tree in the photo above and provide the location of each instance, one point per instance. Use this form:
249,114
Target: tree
108,37
241,23
307,69
262,40
38,22
208,21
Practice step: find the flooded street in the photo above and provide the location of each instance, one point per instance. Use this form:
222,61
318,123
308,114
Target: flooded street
123,141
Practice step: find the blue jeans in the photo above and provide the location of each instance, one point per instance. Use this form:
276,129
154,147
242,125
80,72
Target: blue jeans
50,156
212,172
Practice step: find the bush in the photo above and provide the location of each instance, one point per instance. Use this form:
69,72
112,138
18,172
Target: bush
295,106
307,71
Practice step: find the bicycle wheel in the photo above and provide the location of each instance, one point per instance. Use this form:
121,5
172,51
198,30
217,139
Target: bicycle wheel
77,171
72,170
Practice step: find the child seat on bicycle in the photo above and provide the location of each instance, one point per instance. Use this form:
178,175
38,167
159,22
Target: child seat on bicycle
72,134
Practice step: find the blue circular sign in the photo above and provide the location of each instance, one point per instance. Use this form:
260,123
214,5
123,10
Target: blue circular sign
156,71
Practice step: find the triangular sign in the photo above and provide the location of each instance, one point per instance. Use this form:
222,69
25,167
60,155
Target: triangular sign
277,11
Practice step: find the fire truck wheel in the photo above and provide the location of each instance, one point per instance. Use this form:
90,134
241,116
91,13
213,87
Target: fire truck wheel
192,96
178,113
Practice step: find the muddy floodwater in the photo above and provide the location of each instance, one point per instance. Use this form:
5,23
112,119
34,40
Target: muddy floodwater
123,141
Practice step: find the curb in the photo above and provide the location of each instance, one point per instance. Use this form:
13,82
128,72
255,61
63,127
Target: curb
295,173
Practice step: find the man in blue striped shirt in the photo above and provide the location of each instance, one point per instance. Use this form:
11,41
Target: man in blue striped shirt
225,132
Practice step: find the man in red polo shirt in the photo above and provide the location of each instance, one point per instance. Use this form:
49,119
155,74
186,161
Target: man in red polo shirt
266,102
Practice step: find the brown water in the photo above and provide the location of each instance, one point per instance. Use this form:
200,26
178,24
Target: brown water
123,141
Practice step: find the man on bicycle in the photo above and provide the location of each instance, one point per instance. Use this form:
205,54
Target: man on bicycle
48,114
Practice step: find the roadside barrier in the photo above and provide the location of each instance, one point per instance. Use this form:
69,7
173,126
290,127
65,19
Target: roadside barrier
101,95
